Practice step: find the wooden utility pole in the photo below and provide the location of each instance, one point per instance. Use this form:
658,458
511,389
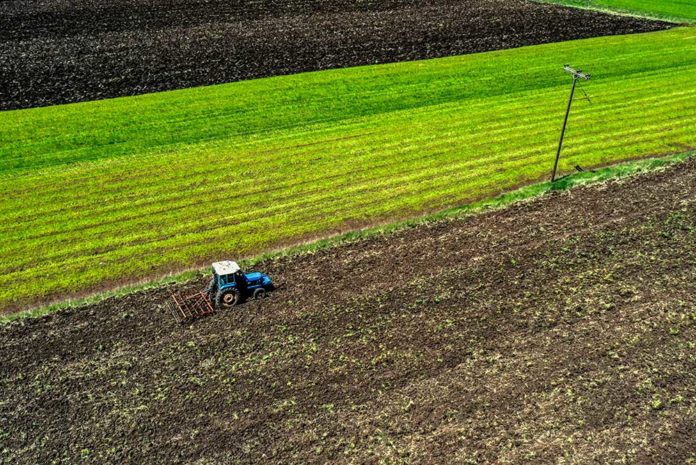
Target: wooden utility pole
577,74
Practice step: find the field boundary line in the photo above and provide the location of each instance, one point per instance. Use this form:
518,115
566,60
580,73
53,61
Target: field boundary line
619,12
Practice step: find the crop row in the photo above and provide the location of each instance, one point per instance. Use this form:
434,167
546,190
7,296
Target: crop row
444,142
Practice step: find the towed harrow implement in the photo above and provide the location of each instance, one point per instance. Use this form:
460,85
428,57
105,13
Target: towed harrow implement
190,307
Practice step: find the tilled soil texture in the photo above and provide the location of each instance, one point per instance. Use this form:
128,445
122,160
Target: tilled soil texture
74,50
561,328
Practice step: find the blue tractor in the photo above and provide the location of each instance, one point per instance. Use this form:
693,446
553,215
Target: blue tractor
230,286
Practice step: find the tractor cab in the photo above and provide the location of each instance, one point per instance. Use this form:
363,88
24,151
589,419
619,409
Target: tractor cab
230,285
227,273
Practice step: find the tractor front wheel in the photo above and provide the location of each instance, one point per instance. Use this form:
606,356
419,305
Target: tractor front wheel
260,293
228,298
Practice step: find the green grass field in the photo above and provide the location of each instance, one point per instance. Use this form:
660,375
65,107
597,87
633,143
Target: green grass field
114,191
674,10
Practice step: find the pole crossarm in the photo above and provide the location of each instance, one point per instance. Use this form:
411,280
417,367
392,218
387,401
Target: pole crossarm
576,73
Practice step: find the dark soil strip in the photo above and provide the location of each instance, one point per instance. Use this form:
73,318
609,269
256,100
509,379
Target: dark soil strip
562,327
74,50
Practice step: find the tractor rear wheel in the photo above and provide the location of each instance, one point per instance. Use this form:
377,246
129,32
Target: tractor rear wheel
228,298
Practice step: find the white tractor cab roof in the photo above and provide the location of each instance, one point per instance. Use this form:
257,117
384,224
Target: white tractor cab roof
225,267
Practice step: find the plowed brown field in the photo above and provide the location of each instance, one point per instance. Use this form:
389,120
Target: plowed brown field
74,50
555,331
